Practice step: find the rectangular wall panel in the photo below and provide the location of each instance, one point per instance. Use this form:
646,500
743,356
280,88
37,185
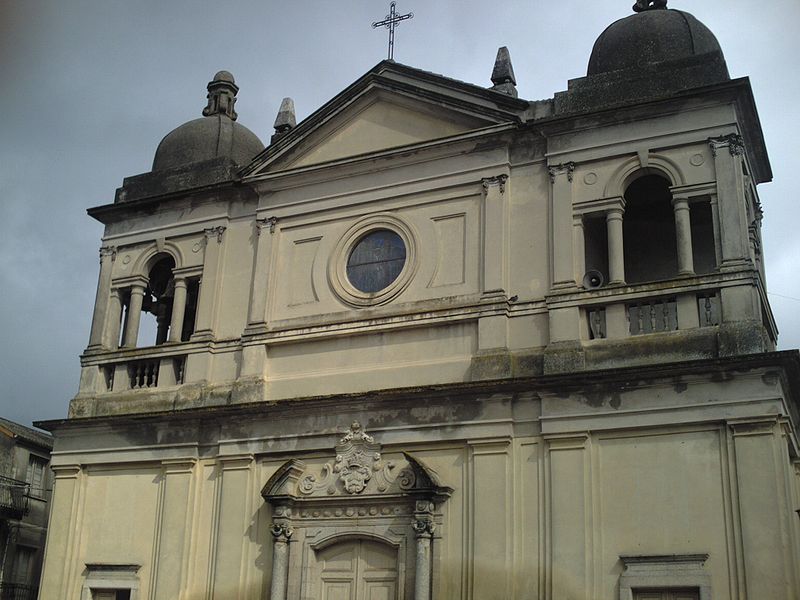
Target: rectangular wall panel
491,518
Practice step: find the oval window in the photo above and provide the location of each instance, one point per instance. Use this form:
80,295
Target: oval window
376,261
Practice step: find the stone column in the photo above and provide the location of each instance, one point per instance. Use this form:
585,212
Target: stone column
113,320
423,532
207,299
732,202
563,268
683,235
134,315
258,293
178,310
101,301
616,256
281,533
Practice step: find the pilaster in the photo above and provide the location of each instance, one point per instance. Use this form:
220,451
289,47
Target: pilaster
561,177
208,299
101,301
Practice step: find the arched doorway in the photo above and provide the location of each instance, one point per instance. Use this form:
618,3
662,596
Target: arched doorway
357,569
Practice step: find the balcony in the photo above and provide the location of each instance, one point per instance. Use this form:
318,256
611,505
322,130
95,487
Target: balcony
18,591
13,500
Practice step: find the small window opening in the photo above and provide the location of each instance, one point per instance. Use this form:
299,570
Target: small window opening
595,233
703,244
650,245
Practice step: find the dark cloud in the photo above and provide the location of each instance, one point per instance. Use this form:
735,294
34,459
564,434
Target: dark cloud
91,86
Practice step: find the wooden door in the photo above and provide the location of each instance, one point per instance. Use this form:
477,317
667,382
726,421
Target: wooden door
358,570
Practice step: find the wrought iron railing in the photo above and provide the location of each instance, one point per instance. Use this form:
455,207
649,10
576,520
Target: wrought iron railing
17,591
13,498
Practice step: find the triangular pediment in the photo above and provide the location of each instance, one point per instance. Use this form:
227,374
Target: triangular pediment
380,123
391,107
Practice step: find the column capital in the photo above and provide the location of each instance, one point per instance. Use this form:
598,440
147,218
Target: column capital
423,527
498,180
680,201
615,212
214,232
733,142
281,532
108,252
269,222
567,169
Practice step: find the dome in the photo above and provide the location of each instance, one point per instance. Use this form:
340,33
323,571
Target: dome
215,135
206,138
650,37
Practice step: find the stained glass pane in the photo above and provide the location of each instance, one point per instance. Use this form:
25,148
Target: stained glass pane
376,261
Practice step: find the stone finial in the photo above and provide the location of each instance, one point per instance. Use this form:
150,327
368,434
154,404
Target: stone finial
222,92
286,120
503,73
643,5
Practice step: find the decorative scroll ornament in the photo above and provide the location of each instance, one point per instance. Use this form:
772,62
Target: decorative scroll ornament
357,467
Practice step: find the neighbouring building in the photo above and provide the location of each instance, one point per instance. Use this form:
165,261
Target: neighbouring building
437,341
25,486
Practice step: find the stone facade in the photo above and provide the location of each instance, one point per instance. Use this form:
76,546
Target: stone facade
562,385
25,488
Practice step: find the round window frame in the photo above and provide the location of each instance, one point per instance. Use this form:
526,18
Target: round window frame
337,268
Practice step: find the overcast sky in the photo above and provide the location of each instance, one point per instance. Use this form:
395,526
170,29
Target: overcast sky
89,87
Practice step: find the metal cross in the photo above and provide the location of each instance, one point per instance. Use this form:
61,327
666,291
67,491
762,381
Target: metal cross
390,22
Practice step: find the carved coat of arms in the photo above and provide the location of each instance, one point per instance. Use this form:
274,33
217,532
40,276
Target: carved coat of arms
358,461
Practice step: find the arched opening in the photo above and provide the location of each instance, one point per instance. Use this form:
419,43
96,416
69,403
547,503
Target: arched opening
650,243
157,301
150,316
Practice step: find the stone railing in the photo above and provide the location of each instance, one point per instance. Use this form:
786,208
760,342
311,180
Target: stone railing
13,497
163,371
641,316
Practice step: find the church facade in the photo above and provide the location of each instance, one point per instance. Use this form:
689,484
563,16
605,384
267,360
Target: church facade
436,341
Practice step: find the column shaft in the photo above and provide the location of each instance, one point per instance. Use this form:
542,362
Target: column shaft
113,320
422,581
616,255
134,316
178,310
579,248
280,568
683,235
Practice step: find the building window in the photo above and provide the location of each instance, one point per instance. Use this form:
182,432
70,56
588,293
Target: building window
35,476
111,582
376,261
666,594
111,595
665,577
